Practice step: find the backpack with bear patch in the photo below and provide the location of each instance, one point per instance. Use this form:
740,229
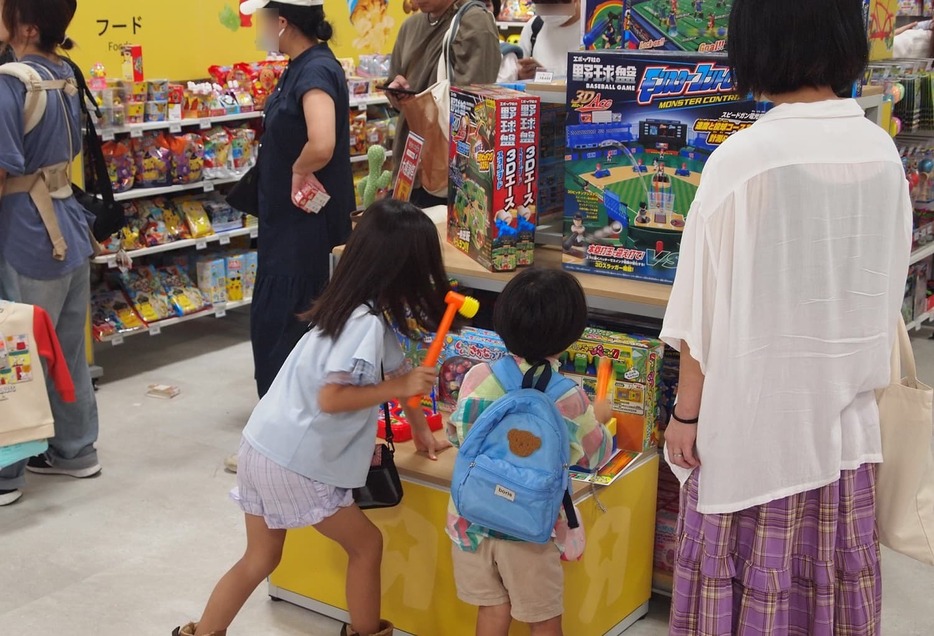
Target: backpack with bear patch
511,474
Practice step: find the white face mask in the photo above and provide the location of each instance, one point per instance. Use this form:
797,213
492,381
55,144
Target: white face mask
268,43
555,20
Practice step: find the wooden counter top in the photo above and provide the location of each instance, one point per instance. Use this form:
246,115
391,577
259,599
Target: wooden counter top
603,292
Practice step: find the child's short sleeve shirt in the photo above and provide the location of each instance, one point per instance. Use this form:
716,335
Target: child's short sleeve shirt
288,425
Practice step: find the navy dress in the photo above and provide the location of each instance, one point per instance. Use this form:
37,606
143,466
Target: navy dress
295,247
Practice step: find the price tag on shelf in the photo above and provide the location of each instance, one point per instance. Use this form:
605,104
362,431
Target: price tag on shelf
209,186
112,263
155,330
205,124
175,129
136,133
254,232
544,77
201,244
220,310
107,135
224,239
116,340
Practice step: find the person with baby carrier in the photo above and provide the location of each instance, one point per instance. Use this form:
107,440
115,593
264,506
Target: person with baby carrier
520,425
45,234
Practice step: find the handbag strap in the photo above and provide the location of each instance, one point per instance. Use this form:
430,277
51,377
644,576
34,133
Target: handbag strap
903,357
387,416
445,62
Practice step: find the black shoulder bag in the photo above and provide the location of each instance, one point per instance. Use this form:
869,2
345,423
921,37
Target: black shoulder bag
383,487
109,215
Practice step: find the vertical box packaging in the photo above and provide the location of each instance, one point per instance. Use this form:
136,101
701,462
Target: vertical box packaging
669,25
234,266
880,27
212,279
640,129
637,363
492,201
132,62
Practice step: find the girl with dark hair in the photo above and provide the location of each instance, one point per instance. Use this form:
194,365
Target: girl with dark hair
32,270
310,440
307,138
785,308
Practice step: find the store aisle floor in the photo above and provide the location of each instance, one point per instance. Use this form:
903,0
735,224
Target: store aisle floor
137,550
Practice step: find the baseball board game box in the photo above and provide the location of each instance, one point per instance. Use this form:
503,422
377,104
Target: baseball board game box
671,25
493,191
640,128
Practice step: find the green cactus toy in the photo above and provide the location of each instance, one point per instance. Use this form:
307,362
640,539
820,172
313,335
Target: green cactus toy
377,179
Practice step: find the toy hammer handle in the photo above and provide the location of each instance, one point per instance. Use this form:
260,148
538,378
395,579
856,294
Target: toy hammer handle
434,351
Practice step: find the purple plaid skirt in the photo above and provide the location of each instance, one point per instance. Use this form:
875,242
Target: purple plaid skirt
805,565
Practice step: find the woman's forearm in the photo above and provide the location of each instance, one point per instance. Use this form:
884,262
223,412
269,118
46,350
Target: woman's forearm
690,385
312,159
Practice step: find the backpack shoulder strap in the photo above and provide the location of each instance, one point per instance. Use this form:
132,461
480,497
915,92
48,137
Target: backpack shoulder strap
508,373
537,25
36,88
558,386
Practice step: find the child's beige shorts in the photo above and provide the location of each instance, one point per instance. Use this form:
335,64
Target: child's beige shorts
528,576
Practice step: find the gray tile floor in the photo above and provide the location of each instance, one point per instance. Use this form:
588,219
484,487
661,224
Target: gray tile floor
137,550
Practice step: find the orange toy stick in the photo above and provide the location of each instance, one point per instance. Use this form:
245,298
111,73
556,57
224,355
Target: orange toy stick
457,303
603,379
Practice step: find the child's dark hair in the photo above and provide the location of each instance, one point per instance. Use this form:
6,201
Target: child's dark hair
309,20
540,313
50,17
779,47
392,262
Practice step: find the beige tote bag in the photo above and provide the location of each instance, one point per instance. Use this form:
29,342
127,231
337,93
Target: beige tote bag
905,481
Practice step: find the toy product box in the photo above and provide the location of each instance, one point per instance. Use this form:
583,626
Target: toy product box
640,128
637,363
212,279
493,192
880,26
132,63
234,270
250,267
551,166
672,25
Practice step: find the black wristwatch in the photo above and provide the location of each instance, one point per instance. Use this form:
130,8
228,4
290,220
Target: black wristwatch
674,416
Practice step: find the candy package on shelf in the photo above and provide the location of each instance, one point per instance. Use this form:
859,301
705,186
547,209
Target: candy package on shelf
217,152
153,230
184,296
242,155
223,217
112,314
212,278
121,165
187,158
197,219
153,159
250,267
144,289
234,267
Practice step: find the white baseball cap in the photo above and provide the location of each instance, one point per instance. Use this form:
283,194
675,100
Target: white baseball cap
252,6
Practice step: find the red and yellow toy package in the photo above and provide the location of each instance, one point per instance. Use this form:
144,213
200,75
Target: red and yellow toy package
637,364
144,289
493,190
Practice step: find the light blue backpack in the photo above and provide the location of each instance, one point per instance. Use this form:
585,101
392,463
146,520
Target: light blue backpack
511,474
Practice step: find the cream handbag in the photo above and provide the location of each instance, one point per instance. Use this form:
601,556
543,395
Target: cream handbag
905,481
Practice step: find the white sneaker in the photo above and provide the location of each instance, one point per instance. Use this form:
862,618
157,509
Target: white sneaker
230,463
8,497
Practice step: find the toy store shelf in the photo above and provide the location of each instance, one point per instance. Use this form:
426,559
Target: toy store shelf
207,185
506,26
362,158
918,322
200,243
361,103
922,253
155,328
203,123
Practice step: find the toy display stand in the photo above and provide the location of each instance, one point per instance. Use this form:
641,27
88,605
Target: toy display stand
605,593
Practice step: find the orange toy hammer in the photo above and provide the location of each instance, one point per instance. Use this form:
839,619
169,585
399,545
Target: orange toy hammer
457,303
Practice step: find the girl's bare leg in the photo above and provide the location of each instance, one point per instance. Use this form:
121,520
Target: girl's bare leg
363,543
263,552
494,620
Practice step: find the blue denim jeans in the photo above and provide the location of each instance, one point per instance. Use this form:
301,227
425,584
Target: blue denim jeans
66,300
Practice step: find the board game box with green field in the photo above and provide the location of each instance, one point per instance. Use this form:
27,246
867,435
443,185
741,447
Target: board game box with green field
673,25
640,128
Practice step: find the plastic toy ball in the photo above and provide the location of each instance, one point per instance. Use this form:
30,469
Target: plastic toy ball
926,166
895,128
898,92
914,178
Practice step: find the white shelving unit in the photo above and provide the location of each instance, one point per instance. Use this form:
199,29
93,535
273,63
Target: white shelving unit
208,185
136,130
361,103
362,158
155,328
222,238
508,25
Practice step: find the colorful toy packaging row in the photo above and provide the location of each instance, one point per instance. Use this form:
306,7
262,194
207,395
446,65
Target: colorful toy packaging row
919,291
493,191
640,128
152,222
670,25
163,159
130,301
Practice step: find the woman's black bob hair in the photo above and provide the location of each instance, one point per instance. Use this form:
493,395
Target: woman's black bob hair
780,46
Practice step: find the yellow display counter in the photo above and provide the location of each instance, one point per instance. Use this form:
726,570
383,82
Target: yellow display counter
605,593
